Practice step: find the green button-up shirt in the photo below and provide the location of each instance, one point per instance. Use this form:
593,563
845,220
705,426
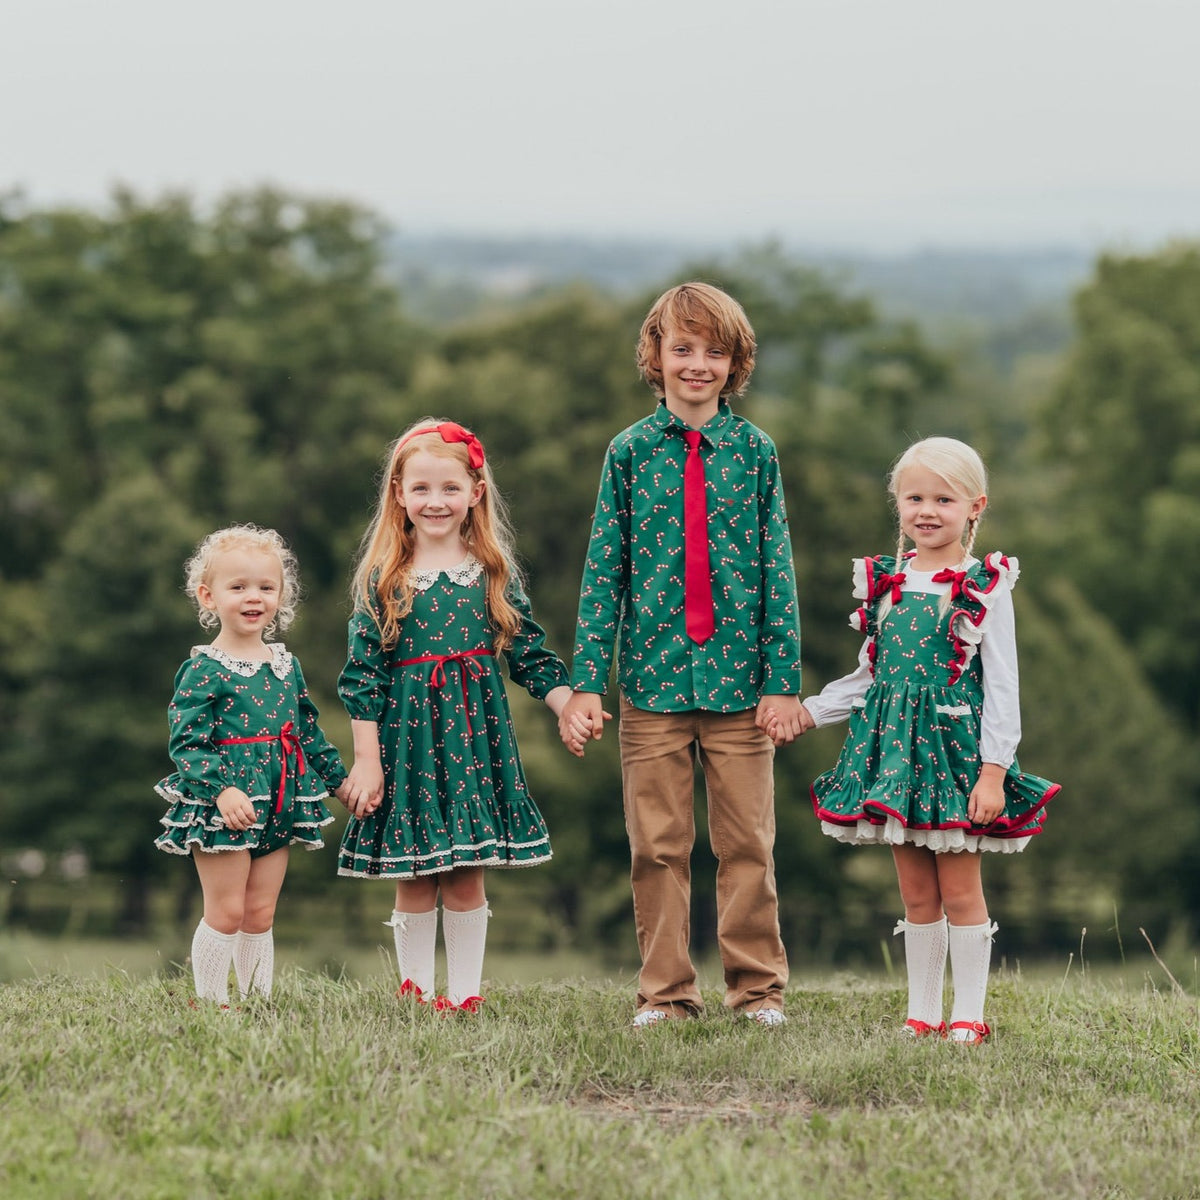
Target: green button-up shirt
632,590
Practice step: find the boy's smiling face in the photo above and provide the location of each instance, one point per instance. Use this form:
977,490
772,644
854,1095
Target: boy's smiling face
695,370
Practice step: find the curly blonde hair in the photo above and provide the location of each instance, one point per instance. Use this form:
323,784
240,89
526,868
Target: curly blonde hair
698,308
381,584
198,570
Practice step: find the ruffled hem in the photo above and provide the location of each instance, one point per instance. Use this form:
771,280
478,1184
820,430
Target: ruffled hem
873,821
410,866
302,835
892,832
190,824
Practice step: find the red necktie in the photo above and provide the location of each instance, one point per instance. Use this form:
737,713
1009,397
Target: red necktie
697,582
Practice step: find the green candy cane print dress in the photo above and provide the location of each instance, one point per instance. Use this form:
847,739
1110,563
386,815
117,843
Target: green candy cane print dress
250,725
912,753
454,791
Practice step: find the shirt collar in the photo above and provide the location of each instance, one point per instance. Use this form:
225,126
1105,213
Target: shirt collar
711,430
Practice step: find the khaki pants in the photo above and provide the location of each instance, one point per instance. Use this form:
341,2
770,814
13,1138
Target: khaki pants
658,756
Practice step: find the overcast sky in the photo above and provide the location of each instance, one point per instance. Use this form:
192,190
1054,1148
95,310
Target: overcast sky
869,124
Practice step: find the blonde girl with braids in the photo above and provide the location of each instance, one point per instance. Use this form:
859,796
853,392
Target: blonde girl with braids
929,764
437,792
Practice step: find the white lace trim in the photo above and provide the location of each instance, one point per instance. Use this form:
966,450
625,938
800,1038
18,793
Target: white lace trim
940,841
280,661
463,575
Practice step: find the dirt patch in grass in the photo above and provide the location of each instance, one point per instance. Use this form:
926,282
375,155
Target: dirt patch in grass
722,1106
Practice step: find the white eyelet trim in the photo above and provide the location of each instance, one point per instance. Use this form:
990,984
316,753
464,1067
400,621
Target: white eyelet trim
280,661
958,710
462,575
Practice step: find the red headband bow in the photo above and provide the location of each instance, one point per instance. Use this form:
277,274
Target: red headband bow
450,433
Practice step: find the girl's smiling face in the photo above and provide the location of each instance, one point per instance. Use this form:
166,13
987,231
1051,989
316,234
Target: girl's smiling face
436,494
243,588
934,516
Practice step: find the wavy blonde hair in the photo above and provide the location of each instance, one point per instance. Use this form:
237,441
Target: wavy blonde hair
962,468
382,586
698,308
198,570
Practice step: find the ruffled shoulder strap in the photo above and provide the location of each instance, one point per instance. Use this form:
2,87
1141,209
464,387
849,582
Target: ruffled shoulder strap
873,578
974,593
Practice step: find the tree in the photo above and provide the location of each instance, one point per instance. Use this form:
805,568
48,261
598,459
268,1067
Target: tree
163,372
1123,438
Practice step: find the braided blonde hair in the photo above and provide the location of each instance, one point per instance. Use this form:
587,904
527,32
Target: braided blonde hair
962,468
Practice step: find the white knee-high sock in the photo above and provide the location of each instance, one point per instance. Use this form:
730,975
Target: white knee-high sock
466,937
254,962
925,960
211,955
970,961
416,937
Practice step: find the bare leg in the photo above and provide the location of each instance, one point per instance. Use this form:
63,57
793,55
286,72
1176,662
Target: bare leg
254,953
925,938
223,878
970,941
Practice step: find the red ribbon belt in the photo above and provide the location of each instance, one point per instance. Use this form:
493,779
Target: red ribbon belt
289,743
466,660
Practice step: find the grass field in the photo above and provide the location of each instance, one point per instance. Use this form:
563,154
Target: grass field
111,1085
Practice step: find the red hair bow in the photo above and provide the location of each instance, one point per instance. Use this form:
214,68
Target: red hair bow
456,433
450,432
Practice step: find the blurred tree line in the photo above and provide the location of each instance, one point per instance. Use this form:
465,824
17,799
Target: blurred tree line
166,369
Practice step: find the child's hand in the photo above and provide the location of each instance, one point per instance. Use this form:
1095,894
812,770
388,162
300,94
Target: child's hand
363,789
782,718
236,809
581,720
986,802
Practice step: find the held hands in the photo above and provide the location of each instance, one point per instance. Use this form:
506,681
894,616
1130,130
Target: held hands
236,809
783,718
581,720
986,802
362,791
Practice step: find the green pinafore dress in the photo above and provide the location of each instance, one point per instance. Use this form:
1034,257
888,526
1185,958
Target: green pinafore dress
911,755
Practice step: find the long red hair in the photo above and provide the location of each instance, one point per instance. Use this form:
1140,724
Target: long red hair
382,585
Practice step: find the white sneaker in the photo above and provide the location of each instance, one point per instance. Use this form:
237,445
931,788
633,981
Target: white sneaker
768,1016
651,1016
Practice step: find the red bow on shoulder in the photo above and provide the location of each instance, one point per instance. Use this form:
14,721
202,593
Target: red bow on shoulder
960,585
895,582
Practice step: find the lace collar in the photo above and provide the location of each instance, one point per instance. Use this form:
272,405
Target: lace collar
280,661
465,573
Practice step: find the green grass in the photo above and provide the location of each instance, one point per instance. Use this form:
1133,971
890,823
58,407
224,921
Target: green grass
111,1085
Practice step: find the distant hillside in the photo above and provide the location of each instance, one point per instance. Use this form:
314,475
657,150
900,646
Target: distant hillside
449,278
